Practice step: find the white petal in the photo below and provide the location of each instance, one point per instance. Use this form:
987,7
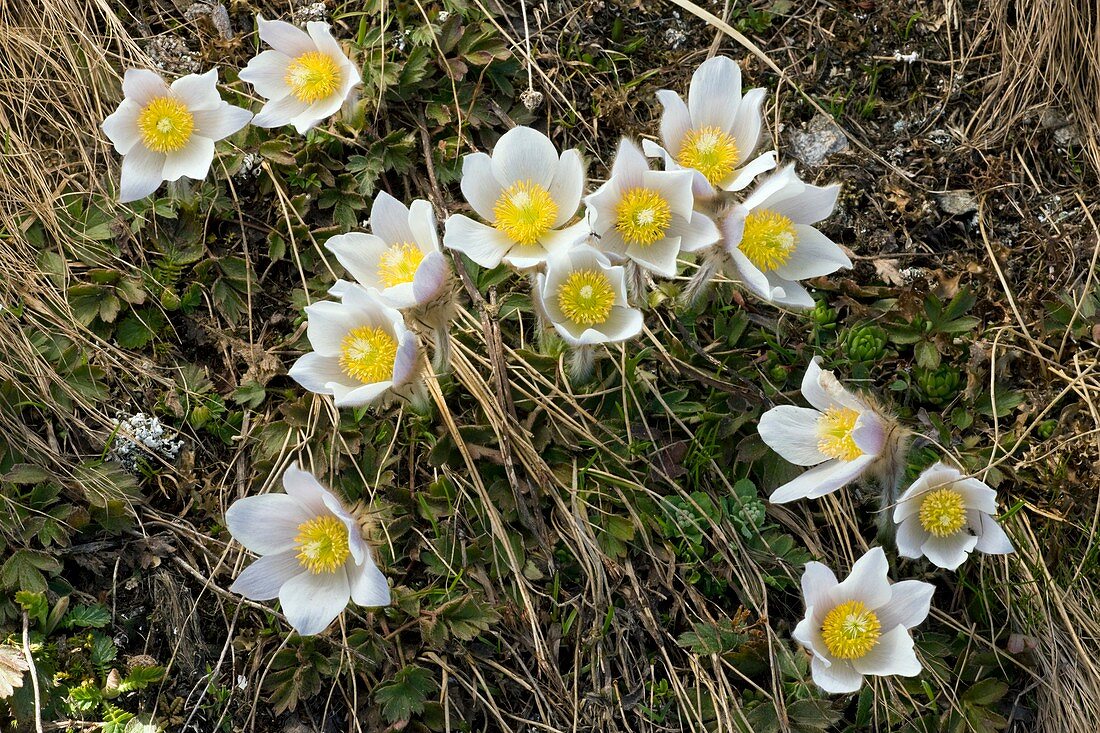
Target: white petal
312,600
320,110
360,255
993,539
715,93
329,322
356,544
304,487
222,121
675,121
368,585
600,210
279,112
523,154
776,187
142,172
362,396
742,177
821,480
192,160
629,166
674,187
750,275
266,72
813,204
198,91
568,186
792,433
911,537
658,257
558,240
814,255
285,37
482,244
838,678
822,389
479,184
789,293
318,373
869,433
695,234
121,127
893,654
431,277
389,219
867,582
910,601
264,578
324,41
977,495
266,524
406,360
818,582
804,632
748,121
423,225
949,552
143,86
621,324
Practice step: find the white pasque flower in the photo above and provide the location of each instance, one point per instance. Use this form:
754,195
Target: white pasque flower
304,76
841,434
313,557
769,238
646,216
715,133
860,626
166,132
400,258
361,349
584,296
527,192
945,515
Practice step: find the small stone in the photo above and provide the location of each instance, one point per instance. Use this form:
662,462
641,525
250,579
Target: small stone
307,11
170,53
957,202
821,139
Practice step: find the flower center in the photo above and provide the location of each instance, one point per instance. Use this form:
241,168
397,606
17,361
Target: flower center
586,297
525,212
711,151
642,216
322,544
943,512
368,354
850,630
313,76
165,124
768,240
398,264
834,433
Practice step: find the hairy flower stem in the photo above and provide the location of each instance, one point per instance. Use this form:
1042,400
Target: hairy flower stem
582,363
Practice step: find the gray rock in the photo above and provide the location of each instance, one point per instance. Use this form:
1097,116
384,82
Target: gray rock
957,202
821,138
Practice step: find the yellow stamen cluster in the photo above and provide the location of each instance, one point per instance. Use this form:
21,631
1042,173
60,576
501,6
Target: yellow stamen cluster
834,431
710,150
586,297
642,216
769,239
165,124
313,76
367,354
943,512
398,264
525,212
850,630
322,544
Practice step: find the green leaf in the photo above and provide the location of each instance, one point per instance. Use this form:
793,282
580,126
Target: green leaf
986,692
404,694
103,650
141,677
250,394
34,604
24,570
927,354
27,473
132,333
88,617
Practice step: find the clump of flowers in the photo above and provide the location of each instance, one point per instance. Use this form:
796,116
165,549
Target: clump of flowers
141,441
313,557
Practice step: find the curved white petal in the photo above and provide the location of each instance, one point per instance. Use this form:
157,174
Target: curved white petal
481,243
266,72
407,359
821,480
431,278
814,255
674,187
143,86
715,93
312,600
423,226
818,582
198,91
323,39
749,274
329,322
303,487
369,586
893,654
361,396
192,160
977,495
949,552
788,293
524,154
568,186
479,184
742,177
356,545
776,187
993,539
910,601
279,112
869,433
696,233
810,206
320,110
868,581
911,537
629,166
142,172
836,678
559,240
284,37
121,128
792,433
748,121
658,257
675,122
601,204
318,373
360,255
221,122
266,524
264,578
389,219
